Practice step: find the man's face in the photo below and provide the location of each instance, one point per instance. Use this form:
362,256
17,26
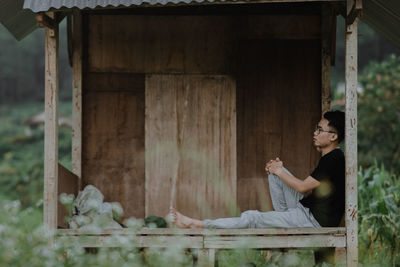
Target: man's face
324,135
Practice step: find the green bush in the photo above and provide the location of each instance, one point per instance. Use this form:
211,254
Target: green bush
379,216
22,152
379,114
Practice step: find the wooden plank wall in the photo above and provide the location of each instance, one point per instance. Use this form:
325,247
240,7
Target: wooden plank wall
191,135
277,69
113,138
278,105
160,44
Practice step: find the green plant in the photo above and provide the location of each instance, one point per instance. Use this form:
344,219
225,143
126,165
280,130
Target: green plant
379,216
21,152
379,114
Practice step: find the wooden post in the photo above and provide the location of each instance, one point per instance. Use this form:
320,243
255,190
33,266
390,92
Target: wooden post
77,97
326,24
51,129
205,257
351,142
340,256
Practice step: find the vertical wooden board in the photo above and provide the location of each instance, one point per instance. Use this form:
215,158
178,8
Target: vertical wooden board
161,140
259,100
326,29
77,96
51,129
205,258
302,107
351,207
193,119
210,145
259,121
113,152
276,114
116,43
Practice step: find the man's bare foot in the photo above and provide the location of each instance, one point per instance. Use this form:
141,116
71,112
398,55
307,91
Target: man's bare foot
180,220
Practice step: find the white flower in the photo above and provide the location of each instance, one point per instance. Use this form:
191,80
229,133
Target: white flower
117,208
134,223
66,199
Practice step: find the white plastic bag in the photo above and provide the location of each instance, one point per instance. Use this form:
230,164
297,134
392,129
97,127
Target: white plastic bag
90,212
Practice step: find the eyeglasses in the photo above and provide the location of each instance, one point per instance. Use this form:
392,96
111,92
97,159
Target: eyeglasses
318,130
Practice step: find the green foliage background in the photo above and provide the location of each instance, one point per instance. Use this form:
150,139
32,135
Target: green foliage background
22,67
379,114
21,152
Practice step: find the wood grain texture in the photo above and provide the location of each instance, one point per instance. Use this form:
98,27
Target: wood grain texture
160,44
205,257
292,27
50,198
274,241
340,231
140,241
191,130
217,240
113,136
184,44
77,96
276,114
326,28
351,205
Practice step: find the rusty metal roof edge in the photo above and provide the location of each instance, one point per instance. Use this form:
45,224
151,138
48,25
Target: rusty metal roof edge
46,5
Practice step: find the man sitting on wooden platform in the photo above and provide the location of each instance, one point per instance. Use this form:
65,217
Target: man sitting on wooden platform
316,201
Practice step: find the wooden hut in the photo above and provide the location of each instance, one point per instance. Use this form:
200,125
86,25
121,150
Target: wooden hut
205,92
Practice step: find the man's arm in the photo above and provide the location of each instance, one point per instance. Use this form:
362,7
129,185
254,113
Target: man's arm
301,186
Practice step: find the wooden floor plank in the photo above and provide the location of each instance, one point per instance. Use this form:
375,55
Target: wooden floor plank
298,241
210,232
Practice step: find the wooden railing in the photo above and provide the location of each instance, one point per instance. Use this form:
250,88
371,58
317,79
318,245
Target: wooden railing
206,242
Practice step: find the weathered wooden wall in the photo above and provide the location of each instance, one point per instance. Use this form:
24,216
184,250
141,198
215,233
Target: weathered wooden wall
113,138
191,135
160,44
273,61
278,105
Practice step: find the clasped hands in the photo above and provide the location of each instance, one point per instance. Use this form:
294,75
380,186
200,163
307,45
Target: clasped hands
273,166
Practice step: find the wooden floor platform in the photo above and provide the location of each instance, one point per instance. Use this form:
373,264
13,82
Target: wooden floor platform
209,238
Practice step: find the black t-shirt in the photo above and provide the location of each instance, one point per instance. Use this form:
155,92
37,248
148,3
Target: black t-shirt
326,202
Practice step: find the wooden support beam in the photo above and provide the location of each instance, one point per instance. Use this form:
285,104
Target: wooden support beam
205,257
354,12
351,143
77,96
340,257
51,130
326,28
45,20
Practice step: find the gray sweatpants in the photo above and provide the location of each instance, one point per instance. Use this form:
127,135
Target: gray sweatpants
289,212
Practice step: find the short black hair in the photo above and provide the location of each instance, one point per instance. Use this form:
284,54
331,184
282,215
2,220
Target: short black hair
336,120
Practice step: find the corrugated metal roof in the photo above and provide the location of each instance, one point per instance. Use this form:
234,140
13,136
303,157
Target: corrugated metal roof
20,22
384,17
45,5
17,16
